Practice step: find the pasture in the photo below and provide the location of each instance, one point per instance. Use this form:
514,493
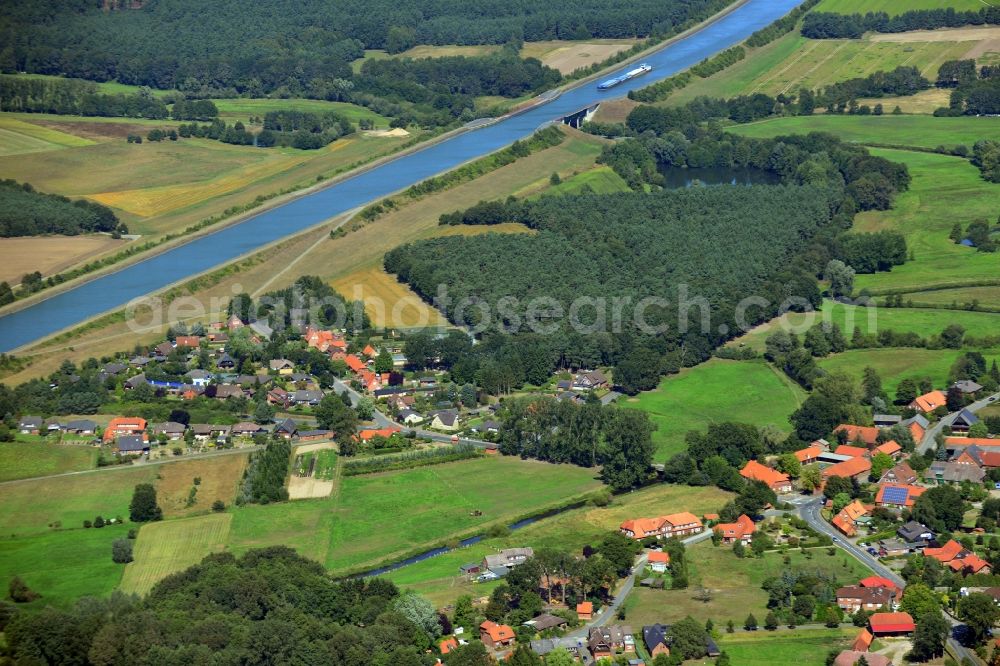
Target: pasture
439,579
386,516
734,583
22,460
63,565
894,7
805,647
163,187
50,254
793,62
923,321
32,506
170,546
945,190
601,180
717,390
957,297
232,110
18,137
896,364
904,130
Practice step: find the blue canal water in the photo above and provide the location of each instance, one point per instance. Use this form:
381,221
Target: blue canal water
117,289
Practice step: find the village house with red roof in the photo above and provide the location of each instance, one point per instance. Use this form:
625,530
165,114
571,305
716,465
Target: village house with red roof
741,531
671,525
957,558
775,480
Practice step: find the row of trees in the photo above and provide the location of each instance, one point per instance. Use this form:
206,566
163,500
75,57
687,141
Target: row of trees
74,97
264,479
24,211
827,25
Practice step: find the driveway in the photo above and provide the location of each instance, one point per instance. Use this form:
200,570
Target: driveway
928,442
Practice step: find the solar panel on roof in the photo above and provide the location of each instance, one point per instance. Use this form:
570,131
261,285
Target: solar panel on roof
895,495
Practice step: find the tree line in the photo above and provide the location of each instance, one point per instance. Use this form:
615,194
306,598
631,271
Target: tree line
24,211
294,129
264,479
828,25
74,97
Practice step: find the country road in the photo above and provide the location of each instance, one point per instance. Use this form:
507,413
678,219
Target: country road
928,442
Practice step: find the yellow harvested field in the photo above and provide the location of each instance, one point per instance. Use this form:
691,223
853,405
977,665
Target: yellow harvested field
570,56
18,137
49,254
219,475
170,546
970,34
389,303
925,101
158,200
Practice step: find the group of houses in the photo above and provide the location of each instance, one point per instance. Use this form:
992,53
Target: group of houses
616,641
133,436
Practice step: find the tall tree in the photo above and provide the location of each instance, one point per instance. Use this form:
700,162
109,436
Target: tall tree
143,507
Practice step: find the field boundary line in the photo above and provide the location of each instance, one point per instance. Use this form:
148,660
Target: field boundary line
816,66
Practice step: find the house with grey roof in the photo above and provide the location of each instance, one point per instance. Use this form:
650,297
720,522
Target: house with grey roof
967,386
30,425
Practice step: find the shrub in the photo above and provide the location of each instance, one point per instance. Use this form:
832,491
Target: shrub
121,551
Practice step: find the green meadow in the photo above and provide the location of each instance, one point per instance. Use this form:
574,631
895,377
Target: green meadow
923,321
63,565
945,190
241,109
718,390
379,517
21,460
894,7
735,584
903,130
804,647
438,577
31,506
896,364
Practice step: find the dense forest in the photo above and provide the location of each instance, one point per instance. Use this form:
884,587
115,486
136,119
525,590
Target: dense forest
293,46
720,243
26,212
268,606
619,440
826,25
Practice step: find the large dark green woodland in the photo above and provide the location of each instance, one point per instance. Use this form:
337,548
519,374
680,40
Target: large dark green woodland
27,212
269,606
292,48
720,243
